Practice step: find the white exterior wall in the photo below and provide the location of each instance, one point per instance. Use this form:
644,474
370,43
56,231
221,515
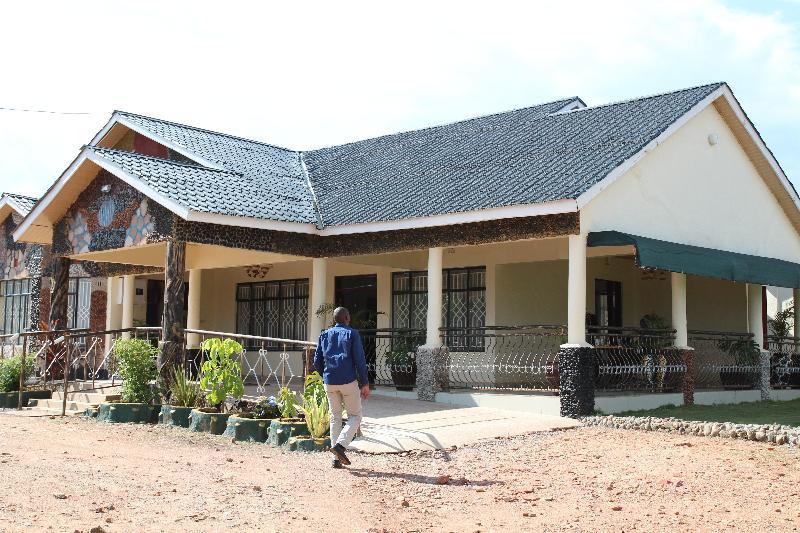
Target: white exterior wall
690,192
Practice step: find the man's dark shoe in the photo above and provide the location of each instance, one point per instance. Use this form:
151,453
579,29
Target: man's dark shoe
337,463
338,451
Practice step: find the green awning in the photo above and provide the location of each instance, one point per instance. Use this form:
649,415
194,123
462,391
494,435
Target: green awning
699,261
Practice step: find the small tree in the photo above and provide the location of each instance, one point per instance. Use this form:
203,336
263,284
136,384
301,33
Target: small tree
221,373
783,323
137,366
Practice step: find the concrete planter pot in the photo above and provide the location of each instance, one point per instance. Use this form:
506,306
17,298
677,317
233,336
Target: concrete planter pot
174,415
281,430
121,413
245,428
308,444
208,421
9,400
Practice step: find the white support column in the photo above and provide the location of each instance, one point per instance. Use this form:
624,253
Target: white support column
754,314
193,312
576,291
679,322
796,306
113,308
319,284
128,297
434,318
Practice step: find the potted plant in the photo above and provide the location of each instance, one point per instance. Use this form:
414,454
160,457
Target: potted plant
289,424
317,417
10,370
221,377
656,343
784,347
137,367
402,363
184,395
744,373
252,424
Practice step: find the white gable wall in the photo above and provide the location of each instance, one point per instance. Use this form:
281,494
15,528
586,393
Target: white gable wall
691,192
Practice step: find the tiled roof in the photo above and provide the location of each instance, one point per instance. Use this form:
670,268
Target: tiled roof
527,156
210,190
274,173
25,203
520,157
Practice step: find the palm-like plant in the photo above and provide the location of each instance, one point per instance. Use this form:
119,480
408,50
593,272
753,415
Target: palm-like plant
183,391
316,407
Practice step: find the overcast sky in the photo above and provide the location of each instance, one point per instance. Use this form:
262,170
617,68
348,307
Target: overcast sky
306,74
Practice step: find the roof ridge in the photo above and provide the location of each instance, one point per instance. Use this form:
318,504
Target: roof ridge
204,130
649,96
161,160
447,124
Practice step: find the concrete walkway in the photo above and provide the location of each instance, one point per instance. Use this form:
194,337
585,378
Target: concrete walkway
393,425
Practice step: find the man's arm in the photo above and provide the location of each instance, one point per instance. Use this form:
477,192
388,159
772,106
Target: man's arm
319,358
357,353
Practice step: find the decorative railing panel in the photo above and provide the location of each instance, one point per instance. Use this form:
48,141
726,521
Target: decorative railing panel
502,357
725,360
635,359
784,361
392,356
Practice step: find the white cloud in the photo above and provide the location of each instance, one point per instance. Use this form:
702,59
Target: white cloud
309,74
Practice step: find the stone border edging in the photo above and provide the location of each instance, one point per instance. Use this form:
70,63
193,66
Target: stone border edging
770,433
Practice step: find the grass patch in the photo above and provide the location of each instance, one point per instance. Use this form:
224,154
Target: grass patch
786,413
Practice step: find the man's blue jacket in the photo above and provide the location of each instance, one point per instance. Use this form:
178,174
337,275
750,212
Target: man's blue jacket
340,356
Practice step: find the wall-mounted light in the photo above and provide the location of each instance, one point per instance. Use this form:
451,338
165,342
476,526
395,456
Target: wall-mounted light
713,139
106,188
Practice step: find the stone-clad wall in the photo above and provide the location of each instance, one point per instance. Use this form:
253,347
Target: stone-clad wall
378,242
110,214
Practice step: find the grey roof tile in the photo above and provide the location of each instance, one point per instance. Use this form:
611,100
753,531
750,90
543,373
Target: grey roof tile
25,203
520,157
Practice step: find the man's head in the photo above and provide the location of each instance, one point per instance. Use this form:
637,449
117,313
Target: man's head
341,316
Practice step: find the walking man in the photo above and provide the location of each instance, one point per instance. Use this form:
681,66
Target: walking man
341,361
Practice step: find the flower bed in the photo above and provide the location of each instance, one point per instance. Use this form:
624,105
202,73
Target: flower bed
771,433
9,400
173,415
308,444
120,413
245,428
204,421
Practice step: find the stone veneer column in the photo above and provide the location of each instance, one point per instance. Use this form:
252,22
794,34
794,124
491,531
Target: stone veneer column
432,351
58,302
687,355
756,327
172,334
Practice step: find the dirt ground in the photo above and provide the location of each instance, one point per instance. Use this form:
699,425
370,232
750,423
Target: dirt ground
80,475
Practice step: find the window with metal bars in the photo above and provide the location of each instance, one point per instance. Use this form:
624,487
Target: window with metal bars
79,303
277,309
15,307
463,304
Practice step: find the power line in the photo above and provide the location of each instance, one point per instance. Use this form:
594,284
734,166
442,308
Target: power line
48,112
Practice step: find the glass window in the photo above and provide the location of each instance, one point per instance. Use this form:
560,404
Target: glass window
463,304
15,305
79,303
276,309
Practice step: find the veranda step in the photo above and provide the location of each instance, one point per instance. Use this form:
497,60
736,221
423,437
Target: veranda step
57,404
86,397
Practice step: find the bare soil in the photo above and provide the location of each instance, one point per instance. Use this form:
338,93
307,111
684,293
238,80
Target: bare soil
75,475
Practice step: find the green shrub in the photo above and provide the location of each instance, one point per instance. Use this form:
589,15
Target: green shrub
287,400
183,391
137,366
9,372
316,407
266,408
221,374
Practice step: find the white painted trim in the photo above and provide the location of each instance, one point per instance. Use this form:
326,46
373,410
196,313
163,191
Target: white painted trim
48,197
118,118
11,203
571,106
249,222
759,142
478,215
612,176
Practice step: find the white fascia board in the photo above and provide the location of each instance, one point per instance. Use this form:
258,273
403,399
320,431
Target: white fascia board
480,215
571,106
759,142
138,184
250,222
12,204
169,144
104,130
612,176
50,195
